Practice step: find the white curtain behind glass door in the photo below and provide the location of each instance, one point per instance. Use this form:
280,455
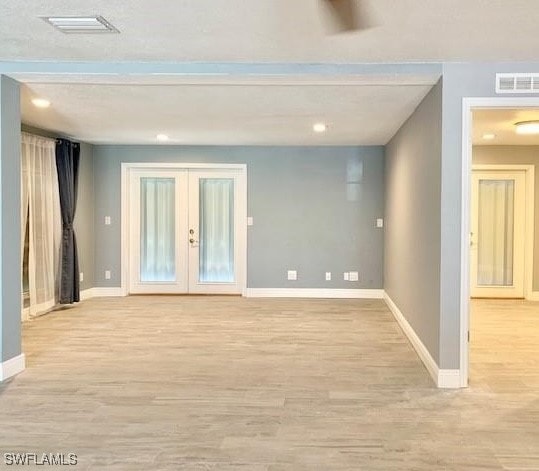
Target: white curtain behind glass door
216,221
495,233
157,219
40,201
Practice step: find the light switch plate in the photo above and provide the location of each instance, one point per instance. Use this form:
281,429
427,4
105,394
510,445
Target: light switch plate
107,220
379,222
81,277
292,275
346,276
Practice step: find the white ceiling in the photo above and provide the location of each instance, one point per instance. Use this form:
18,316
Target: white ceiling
501,122
208,110
274,31
225,112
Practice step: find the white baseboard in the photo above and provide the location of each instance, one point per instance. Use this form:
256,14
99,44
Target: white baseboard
106,292
12,367
313,293
449,379
443,378
86,294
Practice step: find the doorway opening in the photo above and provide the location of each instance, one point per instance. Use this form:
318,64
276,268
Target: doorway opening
185,229
500,244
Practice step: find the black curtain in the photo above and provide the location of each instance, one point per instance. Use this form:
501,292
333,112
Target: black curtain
67,165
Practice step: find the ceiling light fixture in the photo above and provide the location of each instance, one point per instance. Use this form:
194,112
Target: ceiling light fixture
320,127
527,127
489,136
80,24
41,102
162,137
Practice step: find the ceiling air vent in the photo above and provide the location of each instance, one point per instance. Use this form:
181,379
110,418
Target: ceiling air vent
81,24
517,83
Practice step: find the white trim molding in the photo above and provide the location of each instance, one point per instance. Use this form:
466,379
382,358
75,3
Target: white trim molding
313,293
107,292
86,294
12,367
449,379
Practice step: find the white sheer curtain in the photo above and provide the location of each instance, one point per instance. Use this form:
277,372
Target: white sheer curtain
216,222
157,245
41,202
496,229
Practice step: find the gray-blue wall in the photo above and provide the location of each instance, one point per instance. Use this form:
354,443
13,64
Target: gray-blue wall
10,220
412,209
314,210
84,216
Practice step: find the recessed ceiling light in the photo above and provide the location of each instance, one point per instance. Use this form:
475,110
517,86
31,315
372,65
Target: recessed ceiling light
489,136
162,137
81,24
527,127
41,102
320,127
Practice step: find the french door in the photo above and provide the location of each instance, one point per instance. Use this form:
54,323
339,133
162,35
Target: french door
187,231
498,233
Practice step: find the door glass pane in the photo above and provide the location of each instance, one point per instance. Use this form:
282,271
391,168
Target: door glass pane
157,233
216,225
495,232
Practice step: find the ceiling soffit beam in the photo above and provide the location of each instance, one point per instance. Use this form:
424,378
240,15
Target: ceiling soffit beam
178,73
230,80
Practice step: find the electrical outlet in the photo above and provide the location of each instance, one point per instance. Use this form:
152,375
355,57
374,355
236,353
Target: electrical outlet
107,274
379,222
107,220
346,276
250,221
81,277
328,276
292,275
353,276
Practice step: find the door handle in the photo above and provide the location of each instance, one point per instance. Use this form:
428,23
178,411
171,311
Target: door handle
192,239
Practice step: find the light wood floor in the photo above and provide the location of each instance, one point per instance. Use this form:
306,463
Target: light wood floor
164,383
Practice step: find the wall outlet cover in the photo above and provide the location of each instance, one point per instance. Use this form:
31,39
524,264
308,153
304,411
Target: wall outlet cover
379,222
292,275
346,276
107,274
328,276
353,276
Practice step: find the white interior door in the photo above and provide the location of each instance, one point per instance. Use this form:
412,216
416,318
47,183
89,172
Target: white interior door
498,234
187,231
216,232
158,232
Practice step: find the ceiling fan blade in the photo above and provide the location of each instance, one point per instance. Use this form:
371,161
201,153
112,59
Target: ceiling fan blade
343,13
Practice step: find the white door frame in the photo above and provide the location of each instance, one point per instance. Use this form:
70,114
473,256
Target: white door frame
468,104
529,215
128,167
